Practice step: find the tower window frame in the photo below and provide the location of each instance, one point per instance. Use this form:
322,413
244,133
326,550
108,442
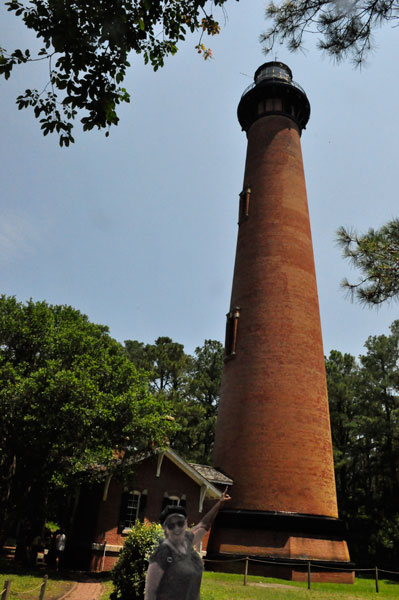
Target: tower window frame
230,345
243,210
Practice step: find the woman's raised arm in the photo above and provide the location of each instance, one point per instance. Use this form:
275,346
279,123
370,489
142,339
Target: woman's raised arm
204,525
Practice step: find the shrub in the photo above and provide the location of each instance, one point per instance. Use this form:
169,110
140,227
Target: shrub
128,575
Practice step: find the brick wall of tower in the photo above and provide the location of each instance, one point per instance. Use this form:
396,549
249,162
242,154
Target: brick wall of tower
273,424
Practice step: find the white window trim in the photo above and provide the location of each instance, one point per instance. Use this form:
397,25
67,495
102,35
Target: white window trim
134,493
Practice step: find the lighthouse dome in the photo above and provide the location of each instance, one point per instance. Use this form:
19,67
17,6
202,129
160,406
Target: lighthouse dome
273,70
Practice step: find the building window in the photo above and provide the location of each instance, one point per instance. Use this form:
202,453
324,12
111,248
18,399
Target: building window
132,509
173,500
243,210
231,333
273,105
133,506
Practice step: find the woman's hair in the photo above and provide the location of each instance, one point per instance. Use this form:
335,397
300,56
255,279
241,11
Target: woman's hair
171,509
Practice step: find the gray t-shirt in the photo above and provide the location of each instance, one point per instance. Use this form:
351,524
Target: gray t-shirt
182,572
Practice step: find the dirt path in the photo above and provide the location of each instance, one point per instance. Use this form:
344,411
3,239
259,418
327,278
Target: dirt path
84,590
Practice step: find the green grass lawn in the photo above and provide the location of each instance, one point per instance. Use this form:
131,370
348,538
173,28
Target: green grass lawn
223,586
218,586
108,588
22,583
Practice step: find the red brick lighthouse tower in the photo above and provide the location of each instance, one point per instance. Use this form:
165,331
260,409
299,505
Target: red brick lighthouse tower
273,433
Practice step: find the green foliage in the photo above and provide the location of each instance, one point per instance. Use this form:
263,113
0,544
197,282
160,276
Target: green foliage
196,408
345,29
165,361
73,407
192,386
128,575
51,526
376,255
86,46
364,409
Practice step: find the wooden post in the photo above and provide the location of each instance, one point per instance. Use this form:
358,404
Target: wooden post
309,575
376,580
7,589
43,587
103,559
246,571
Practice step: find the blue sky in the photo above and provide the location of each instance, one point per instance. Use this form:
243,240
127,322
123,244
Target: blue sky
138,230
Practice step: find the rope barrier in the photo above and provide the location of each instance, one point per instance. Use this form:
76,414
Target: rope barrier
316,565
27,591
223,561
272,562
303,564
385,571
345,570
290,564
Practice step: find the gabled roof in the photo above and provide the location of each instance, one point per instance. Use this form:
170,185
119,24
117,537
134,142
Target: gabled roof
212,474
198,473
210,490
203,475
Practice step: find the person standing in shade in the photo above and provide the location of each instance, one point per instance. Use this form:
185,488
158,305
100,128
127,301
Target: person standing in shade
175,569
60,542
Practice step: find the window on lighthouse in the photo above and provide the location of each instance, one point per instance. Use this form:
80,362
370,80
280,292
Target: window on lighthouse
243,210
231,333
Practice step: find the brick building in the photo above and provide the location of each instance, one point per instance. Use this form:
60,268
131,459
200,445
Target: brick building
273,432
105,512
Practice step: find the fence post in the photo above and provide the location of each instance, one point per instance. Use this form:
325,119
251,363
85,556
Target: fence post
309,575
246,571
376,580
7,588
43,587
103,559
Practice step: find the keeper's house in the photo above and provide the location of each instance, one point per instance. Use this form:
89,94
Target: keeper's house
105,513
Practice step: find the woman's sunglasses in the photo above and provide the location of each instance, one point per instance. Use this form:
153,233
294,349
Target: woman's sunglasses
171,526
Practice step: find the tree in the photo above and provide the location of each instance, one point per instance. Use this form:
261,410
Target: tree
86,46
73,407
376,254
380,439
364,408
191,384
129,573
346,28
343,383
165,361
204,393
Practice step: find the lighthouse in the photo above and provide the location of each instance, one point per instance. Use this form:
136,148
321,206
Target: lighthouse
273,435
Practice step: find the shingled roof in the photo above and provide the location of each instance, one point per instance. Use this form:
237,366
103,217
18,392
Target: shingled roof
212,474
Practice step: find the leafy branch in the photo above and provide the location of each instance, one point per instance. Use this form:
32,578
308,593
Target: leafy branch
376,254
344,27
90,43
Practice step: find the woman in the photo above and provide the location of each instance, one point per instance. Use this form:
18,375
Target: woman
175,570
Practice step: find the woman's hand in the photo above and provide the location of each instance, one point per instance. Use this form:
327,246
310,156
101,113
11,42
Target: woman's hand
225,496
